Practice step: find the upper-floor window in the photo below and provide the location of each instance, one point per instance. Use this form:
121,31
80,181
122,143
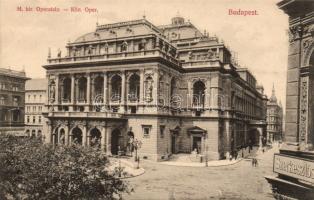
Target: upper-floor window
40,98
2,100
15,101
34,119
39,108
34,108
124,46
39,119
28,119
34,97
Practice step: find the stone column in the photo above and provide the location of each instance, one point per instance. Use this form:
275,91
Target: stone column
227,140
189,95
108,140
207,94
88,97
88,136
72,91
84,136
57,89
103,139
260,141
49,134
141,86
105,89
66,130
155,89
123,87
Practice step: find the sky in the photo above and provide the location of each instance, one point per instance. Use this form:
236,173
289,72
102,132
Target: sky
260,41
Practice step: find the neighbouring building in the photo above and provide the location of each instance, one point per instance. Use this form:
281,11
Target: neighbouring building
12,91
172,87
294,164
35,99
274,118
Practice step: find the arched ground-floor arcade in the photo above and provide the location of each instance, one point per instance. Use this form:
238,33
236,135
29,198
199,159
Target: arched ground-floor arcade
159,136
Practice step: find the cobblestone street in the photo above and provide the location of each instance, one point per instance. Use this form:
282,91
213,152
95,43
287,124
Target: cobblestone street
238,181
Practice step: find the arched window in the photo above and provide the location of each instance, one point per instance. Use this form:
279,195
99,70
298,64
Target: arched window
99,86
134,88
116,88
95,136
198,94
77,136
82,87
66,90
124,47
149,84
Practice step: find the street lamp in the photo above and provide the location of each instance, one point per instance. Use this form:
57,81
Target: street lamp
119,154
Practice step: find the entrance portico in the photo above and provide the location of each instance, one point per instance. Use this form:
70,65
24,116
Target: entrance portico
197,136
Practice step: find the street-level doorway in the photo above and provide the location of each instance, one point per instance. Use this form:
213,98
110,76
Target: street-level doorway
197,144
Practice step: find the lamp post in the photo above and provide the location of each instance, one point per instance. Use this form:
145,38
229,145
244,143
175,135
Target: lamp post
119,154
137,145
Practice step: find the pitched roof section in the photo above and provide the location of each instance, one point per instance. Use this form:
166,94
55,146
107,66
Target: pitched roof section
120,30
36,84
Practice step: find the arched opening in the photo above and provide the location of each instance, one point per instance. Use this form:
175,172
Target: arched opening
130,147
99,86
95,136
27,132
39,133
134,88
124,47
198,94
66,90
61,136
33,133
149,84
116,88
253,137
77,136
116,139
82,87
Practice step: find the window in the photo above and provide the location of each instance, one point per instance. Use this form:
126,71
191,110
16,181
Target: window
162,131
39,119
29,97
146,130
2,100
39,108
40,98
28,119
34,119
34,97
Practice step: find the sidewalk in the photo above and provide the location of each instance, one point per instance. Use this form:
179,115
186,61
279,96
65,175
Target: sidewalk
255,152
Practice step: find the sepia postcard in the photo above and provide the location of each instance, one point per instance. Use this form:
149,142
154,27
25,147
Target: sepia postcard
180,99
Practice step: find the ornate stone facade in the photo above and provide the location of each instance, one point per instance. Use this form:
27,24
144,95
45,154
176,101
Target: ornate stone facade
12,93
133,79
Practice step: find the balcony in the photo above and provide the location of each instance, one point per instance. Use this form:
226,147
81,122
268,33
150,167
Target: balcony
86,114
114,56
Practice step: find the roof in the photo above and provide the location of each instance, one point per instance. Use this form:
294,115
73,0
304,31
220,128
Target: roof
13,73
120,30
36,84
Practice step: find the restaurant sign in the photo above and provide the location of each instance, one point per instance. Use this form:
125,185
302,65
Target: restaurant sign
302,169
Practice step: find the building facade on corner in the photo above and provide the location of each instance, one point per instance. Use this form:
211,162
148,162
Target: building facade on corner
35,99
172,87
12,90
294,165
274,119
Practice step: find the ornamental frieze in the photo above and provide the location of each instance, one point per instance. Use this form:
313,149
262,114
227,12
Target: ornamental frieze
78,123
58,123
303,108
96,124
